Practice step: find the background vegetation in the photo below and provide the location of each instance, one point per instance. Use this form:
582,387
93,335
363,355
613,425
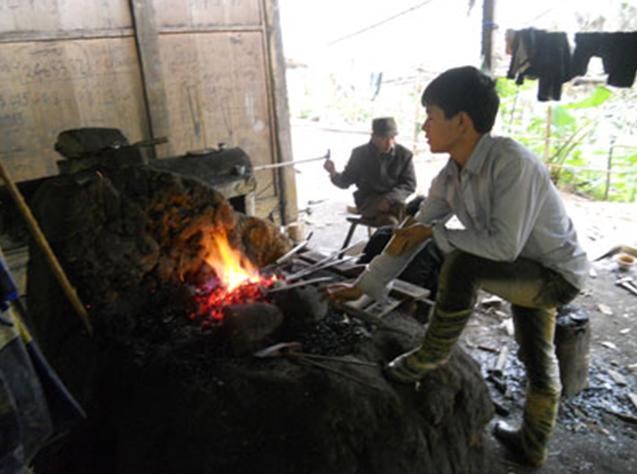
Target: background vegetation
588,139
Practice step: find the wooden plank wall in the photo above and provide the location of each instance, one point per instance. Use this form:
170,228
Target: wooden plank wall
64,64
200,71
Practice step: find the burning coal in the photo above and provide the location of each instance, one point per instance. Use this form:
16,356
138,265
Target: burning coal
235,280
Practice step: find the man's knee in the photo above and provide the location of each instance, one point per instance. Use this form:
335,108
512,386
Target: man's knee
459,264
459,281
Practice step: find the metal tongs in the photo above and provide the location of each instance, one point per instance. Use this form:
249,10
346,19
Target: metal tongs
331,260
293,350
298,284
287,256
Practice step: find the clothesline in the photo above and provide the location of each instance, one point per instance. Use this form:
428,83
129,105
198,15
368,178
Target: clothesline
547,56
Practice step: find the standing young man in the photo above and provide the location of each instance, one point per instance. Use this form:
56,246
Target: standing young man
517,243
383,172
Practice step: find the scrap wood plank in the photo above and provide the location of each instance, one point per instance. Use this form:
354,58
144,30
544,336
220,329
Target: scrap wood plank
409,290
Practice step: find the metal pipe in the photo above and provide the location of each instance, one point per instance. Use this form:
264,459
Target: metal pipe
289,163
343,360
294,250
299,284
314,269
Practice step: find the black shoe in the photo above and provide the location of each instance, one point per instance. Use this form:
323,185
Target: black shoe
511,439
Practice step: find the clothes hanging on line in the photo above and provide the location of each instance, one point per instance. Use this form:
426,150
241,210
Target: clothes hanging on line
541,55
546,56
617,50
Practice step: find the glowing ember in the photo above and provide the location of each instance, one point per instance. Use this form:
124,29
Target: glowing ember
237,281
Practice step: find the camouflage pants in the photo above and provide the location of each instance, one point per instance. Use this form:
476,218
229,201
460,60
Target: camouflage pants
534,292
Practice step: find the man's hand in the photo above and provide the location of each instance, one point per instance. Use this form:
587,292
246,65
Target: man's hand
329,167
342,292
408,222
383,205
406,238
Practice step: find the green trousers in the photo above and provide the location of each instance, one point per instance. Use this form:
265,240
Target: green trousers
534,292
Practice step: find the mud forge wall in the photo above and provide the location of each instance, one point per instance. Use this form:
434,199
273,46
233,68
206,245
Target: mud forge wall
165,393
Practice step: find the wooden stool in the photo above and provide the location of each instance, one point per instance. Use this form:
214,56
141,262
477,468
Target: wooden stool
355,221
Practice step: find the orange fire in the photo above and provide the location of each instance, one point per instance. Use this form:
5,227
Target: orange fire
231,267
238,280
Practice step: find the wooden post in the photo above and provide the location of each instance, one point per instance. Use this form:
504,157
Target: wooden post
488,25
147,41
279,111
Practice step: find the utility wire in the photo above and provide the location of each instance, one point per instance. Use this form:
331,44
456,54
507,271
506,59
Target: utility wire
382,22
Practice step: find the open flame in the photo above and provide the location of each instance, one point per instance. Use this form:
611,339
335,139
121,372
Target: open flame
237,280
231,267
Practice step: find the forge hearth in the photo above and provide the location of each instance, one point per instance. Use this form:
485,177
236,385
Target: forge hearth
166,393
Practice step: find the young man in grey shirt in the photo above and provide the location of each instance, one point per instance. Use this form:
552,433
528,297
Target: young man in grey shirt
517,243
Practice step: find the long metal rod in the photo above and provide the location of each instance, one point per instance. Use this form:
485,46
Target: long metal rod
336,371
294,250
300,284
334,359
333,256
309,271
290,163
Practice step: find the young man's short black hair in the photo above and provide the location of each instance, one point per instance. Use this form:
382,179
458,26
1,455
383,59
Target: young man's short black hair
465,89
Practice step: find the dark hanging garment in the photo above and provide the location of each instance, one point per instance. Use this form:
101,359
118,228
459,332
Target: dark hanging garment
522,49
544,56
617,50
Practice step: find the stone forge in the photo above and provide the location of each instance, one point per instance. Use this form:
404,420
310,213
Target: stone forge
169,388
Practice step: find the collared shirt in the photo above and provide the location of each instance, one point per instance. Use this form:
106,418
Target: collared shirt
504,198
391,174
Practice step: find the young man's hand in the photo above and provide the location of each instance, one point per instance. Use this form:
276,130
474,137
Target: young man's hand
406,238
342,292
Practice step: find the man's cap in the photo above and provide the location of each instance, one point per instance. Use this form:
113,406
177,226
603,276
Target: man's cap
384,127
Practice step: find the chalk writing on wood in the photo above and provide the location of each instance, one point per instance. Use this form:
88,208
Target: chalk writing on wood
208,12
48,87
225,71
35,17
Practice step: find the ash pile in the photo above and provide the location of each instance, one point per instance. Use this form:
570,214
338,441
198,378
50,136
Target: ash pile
186,372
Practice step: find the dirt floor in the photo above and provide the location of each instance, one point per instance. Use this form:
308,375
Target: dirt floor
597,428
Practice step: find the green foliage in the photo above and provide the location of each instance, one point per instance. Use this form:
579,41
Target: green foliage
581,135
598,97
562,120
